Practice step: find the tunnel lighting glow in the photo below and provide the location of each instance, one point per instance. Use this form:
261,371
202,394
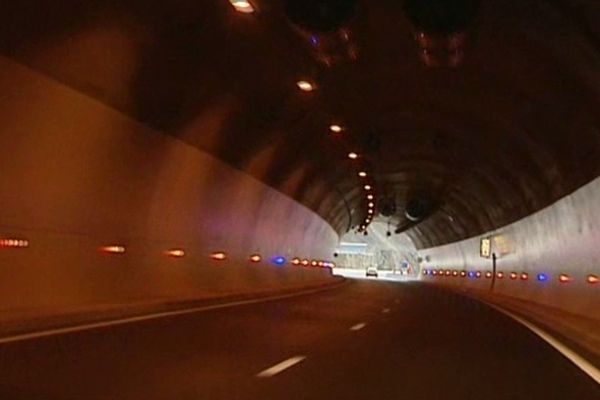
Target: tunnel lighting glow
242,6
513,275
218,255
433,272
320,263
371,205
279,260
178,253
14,243
478,274
471,274
488,275
425,272
113,249
369,197
463,273
500,275
370,211
313,263
564,278
367,187
296,261
255,258
593,279
335,128
362,174
454,273
305,262
524,276
542,277
305,86
448,272
352,155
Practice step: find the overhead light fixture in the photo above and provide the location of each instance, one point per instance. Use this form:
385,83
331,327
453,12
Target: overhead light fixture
352,155
564,278
362,174
243,6
218,255
178,253
255,258
371,205
370,211
305,86
367,187
593,279
335,128
114,249
369,197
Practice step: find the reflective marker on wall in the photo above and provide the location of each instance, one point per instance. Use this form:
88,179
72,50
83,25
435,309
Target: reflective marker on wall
593,279
564,278
14,243
178,253
218,256
255,258
113,249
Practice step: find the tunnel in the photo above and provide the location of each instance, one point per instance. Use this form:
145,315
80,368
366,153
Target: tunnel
300,199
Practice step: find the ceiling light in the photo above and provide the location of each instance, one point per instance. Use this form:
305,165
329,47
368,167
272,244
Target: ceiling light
305,86
371,205
352,155
370,197
242,6
370,211
367,187
335,128
362,174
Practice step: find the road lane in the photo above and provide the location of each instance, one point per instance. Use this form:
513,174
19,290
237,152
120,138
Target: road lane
431,344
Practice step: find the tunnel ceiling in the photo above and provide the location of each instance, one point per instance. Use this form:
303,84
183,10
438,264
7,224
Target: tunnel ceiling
507,122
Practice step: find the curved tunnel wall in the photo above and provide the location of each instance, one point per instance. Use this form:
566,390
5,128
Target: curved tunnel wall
563,238
77,175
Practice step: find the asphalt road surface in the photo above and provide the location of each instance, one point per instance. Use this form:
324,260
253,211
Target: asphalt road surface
365,340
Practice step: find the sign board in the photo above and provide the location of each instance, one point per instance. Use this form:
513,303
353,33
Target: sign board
485,247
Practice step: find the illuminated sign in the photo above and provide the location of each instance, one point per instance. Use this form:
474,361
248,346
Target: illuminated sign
485,247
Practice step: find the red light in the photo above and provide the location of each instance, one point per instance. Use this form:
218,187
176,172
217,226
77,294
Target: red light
178,253
113,249
219,255
478,274
564,278
14,243
500,275
524,276
593,279
488,275
255,258
296,261
513,275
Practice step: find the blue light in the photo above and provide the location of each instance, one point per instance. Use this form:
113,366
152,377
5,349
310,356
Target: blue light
542,277
314,40
471,274
278,260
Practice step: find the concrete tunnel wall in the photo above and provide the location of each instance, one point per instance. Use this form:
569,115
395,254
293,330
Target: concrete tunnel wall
563,238
77,175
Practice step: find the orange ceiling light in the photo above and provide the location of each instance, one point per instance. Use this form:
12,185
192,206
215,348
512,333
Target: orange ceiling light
113,249
177,253
305,86
335,128
367,187
255,258
369,197
218,255
362,174
243,6
352,155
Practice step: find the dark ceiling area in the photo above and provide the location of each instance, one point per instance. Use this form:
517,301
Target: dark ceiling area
465,115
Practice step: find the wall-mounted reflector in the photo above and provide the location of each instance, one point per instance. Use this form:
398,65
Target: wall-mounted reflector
488,275
296,261
113,249
454,273
255,258
564,278
593,279
14,243
463,273
500,275
218,255
313,263
434,272
513,275
542,277
305,262
478,274
448,272
243,6
524,276
175,253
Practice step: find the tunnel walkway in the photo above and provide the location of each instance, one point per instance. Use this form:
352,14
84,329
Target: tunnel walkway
365,340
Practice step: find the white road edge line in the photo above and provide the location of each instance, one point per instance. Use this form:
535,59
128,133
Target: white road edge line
147,317
385,311
571,355
358,327
282,366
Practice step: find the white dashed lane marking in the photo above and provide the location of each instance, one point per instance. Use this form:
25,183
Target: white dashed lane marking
282,366
358,327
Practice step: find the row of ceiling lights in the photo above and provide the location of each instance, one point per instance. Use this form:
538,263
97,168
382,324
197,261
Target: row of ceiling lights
305,85
14,243
524,276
